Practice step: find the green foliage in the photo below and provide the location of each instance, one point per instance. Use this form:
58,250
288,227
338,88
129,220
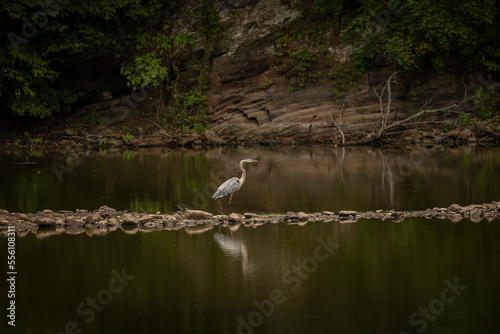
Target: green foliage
330,7
447,127
127,137
487,100
144,71
298,47
158,67
211,26
465,118
342,79
190,108
42,40
412,33
400,54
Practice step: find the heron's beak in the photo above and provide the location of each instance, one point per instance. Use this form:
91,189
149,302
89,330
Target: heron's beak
252,160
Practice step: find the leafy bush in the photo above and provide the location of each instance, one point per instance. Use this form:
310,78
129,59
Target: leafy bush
487,100
411,33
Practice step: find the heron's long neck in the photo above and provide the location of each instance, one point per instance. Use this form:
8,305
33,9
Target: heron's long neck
243,173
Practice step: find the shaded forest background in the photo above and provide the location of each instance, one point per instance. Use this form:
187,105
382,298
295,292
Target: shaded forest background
130,46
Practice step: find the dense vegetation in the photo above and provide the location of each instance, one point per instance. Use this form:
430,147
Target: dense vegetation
45,39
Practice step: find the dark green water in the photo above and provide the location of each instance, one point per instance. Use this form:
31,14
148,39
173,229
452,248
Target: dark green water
417,276
305,179
371,277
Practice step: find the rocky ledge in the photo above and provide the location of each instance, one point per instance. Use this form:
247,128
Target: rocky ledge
106,219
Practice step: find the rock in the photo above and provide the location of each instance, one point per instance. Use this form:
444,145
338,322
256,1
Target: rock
128,219
145,219
328,213
249,215
113,221
467,133
346,213
213,138
106,208
455,218
170,218
146,142
186,140
104,215
197,215
457,135
4,222
89,219
234,218
44,221
75,222
455,208
102,223
106,96
55,215
70,132
47,211
303,216
468,208
22,216
476,214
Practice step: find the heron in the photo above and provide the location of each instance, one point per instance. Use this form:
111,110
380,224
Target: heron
232,185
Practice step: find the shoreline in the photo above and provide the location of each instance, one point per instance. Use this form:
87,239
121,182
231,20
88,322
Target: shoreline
106,220
65,135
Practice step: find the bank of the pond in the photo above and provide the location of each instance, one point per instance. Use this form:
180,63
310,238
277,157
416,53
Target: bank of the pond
106,219
72,134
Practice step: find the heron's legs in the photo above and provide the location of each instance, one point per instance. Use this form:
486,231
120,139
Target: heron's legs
220,206
230,198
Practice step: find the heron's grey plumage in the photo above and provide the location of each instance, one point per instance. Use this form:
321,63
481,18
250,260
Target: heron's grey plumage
227,188
232,185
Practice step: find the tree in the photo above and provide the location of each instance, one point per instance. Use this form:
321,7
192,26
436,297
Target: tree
42,38
413,33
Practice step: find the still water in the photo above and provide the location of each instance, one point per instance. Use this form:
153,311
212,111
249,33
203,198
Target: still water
417,276
305,179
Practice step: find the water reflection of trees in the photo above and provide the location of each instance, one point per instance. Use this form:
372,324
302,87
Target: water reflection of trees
287,178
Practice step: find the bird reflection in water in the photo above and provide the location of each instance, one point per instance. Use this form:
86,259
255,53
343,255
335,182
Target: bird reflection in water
235,248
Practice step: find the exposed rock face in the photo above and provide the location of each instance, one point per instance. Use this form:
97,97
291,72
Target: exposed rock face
240,99
250,97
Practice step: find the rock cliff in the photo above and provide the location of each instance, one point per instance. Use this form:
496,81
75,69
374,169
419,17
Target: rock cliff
250,95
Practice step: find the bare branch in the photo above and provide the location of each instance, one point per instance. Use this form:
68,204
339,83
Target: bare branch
335,123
